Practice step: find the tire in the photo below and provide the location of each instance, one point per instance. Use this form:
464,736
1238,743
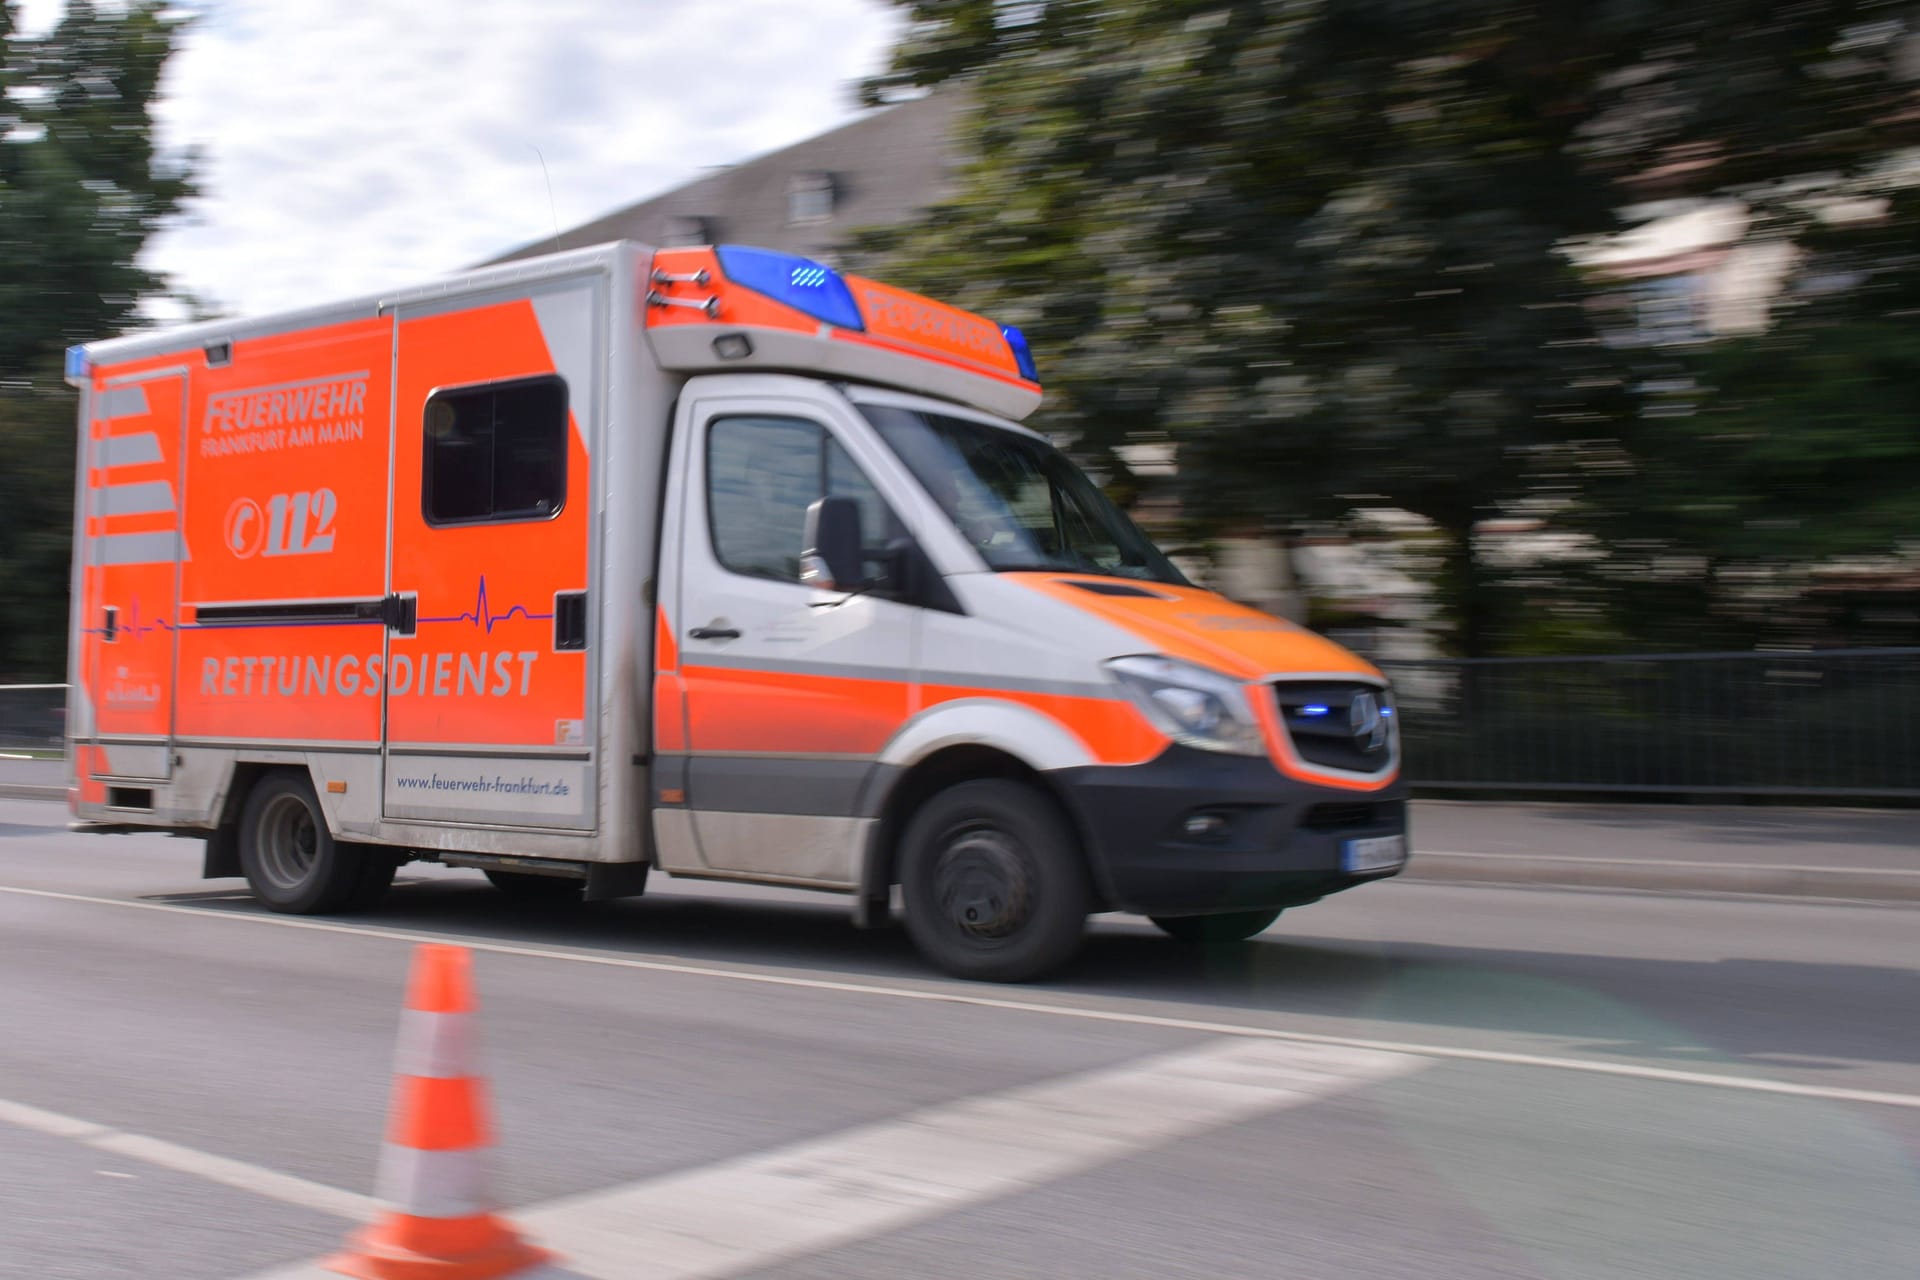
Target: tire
524,886
994,884
291,863
1223,928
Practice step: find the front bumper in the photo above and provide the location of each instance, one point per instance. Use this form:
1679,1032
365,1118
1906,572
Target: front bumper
1279,844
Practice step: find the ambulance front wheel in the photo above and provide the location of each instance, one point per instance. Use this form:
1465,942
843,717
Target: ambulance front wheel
291,861
994,885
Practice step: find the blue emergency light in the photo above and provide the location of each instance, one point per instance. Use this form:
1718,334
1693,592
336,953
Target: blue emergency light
1022,354
78,366
800,283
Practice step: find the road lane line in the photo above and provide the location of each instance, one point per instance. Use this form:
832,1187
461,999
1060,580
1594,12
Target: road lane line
744,1214
261,1181
959,996
26,1117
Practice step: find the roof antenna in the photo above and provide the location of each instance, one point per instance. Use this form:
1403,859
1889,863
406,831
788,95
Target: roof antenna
550,205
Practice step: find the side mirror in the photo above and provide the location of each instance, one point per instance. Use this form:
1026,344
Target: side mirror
831,557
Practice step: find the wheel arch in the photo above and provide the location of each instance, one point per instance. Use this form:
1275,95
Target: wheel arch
933,773
222,857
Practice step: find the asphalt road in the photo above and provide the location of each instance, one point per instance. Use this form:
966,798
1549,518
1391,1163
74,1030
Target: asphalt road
1410,1080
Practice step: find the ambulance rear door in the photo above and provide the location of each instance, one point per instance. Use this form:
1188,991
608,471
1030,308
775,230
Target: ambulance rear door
134,545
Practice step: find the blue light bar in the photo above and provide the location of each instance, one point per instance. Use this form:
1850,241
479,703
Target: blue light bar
78,366
800,283
1313,711
1022,353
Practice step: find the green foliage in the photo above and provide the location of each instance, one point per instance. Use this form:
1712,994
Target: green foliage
1322,247
81,190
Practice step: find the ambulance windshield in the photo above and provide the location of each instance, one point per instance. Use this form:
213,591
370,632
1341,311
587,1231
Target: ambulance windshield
1020,503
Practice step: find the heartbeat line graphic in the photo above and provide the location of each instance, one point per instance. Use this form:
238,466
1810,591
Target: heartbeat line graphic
133,628
482,616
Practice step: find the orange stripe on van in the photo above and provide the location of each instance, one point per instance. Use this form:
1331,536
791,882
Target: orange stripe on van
770,712
669,713
666,651
1114,732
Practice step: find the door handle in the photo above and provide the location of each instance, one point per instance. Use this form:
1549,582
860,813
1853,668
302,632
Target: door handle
714,633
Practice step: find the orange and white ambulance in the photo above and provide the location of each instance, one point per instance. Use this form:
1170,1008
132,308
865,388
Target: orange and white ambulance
710,561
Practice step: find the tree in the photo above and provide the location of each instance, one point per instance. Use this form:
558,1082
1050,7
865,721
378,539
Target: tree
81,190
1778,451
1316,245
1321,246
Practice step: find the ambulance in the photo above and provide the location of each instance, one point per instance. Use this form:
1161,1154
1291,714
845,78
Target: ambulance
715,562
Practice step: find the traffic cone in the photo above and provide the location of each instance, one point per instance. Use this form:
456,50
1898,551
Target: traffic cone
439,1222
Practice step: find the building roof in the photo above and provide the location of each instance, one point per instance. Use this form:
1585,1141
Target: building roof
880,170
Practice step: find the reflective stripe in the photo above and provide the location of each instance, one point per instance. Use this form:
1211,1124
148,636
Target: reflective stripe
437,1046
121,402
128,451
139,548
433,1184
144,498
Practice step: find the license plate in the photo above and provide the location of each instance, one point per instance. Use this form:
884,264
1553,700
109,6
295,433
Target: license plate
1376,853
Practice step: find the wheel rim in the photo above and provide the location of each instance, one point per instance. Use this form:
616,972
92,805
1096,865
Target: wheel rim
983,882
289,841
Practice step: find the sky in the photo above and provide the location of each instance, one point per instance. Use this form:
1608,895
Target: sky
352,146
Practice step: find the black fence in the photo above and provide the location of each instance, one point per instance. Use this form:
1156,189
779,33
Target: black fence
33,717
1838,723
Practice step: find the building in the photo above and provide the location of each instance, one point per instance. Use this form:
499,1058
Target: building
879,170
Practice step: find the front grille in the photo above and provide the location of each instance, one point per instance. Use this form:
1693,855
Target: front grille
1328,729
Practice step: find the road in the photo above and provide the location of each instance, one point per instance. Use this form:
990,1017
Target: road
1411,1080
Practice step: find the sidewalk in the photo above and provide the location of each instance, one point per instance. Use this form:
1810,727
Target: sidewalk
1819,853
32,779
1816,853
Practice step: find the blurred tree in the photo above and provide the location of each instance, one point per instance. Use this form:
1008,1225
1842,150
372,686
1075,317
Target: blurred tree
81,190
1320,245
1316,244
1763,455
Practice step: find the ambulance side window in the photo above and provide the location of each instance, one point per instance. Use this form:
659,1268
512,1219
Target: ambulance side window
495,453
762,475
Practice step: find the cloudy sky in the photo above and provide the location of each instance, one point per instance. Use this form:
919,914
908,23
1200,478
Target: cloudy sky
352,145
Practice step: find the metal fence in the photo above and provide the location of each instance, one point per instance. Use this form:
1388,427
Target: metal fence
33,718
1843,722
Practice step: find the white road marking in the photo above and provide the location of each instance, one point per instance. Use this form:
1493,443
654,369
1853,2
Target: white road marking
961,996
271,1183
750,1213
745,1214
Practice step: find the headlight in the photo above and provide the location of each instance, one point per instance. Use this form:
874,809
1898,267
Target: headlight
1190,704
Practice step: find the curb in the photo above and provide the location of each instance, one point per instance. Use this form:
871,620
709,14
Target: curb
31,791
1866,883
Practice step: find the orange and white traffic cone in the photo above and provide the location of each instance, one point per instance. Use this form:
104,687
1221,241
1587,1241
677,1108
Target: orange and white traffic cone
439,1222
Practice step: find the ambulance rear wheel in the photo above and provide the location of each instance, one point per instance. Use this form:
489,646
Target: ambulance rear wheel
523,886
290,860
994,884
